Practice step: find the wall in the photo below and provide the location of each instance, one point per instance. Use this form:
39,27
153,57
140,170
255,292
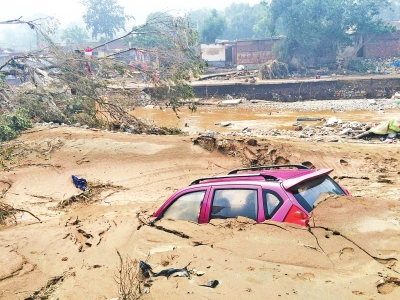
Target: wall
383,46
306,90
214,54
253,53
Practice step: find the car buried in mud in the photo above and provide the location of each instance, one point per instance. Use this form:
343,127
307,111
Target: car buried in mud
282,193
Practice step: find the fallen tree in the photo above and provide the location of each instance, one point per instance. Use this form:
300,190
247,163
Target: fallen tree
72,85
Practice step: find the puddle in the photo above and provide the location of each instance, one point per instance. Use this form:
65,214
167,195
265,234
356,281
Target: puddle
206,118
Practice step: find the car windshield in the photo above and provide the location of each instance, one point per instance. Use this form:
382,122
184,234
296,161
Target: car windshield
307,193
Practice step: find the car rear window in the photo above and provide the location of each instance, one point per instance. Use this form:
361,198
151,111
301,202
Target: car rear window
307,193
186,207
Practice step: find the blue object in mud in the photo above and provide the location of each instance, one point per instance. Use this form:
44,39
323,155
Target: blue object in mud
80,183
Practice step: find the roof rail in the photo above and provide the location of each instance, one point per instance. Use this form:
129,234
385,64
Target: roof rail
266,177
267,168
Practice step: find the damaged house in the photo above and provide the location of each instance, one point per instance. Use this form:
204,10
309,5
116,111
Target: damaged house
248,53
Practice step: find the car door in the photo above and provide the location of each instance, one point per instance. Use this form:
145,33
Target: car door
231,201
187,204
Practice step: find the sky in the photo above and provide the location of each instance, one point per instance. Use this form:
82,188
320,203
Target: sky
68,11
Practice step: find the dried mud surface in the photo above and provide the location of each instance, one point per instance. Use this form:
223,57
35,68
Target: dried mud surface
350,251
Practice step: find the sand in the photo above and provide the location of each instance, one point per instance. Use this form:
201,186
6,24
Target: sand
350,251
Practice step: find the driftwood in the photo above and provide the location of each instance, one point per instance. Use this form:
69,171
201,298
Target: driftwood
7,210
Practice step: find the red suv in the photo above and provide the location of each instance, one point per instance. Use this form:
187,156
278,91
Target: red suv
283,193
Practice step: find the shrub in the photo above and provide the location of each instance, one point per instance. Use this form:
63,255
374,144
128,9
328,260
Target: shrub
12,125
361,66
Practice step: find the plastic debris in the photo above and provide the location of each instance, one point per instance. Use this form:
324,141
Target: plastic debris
147,271
145,268
309,119
168,272
80,183
211,284
199,273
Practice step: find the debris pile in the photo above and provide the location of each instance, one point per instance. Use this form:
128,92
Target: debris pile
273,70
148,274
384,66
335,130
331,130
144,128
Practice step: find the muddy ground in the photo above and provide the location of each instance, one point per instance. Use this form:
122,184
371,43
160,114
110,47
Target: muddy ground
350,251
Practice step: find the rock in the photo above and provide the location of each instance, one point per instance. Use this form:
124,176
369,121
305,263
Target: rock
298,128
332,121
252,142
210,133
345,131
231,102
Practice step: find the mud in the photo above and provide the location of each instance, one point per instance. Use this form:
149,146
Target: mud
350,251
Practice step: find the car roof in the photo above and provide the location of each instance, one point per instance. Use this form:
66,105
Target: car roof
277,173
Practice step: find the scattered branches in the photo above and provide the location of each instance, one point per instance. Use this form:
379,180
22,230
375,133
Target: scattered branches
127,278
6,210
51,286
92,194
31,24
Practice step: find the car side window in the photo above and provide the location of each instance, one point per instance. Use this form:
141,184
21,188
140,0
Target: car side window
272,202
186,207
231,203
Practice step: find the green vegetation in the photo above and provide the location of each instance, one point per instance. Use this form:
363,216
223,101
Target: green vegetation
241,18
312,30
11,125
213,27
361,66
75,34
315,28
153,33
104,17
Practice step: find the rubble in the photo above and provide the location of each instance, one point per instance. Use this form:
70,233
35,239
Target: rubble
332,130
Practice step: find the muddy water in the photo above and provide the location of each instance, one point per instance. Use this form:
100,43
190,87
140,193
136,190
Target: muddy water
210,118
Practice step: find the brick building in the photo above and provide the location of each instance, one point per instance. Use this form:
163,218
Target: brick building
253,53
384,46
